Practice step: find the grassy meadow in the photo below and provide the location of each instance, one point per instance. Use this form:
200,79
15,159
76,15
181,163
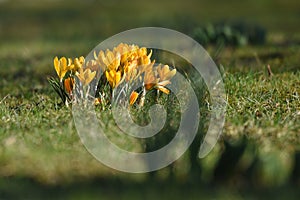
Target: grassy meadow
257,156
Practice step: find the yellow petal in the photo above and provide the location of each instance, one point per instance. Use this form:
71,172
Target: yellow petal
78,63
69,84
118,77
81,59
63,63
133,97
109,78
95,55
102,59
173,72
110,57
142,51
63,67
69,61
90,77
165,69
164,83
112,73
71,67
80,75
56,66
163,89
150,54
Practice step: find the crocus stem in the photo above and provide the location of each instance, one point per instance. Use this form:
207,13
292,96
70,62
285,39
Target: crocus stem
142,102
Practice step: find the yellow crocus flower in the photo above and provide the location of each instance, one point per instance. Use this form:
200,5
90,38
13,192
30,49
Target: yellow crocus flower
93,65
85,76
61,67
130,71
78,62
113,77
165,73
108,60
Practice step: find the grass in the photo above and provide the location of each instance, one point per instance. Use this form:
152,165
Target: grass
38,131
41,151
96,190
262,102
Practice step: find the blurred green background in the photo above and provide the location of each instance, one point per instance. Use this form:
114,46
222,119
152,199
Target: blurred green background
32,32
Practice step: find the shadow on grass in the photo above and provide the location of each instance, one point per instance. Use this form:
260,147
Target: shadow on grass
22,188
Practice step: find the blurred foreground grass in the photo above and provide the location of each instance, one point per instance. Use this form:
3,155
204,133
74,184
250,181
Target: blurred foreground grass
41,151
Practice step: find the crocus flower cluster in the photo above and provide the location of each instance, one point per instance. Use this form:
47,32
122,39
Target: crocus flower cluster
124,64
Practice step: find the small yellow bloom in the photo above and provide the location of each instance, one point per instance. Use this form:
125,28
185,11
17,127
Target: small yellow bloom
61,67
78,62
69,84
92,65
108,60
165,73
113,77
85,76
133,97
130,71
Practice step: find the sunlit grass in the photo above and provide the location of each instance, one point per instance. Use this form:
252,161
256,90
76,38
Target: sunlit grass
38,130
